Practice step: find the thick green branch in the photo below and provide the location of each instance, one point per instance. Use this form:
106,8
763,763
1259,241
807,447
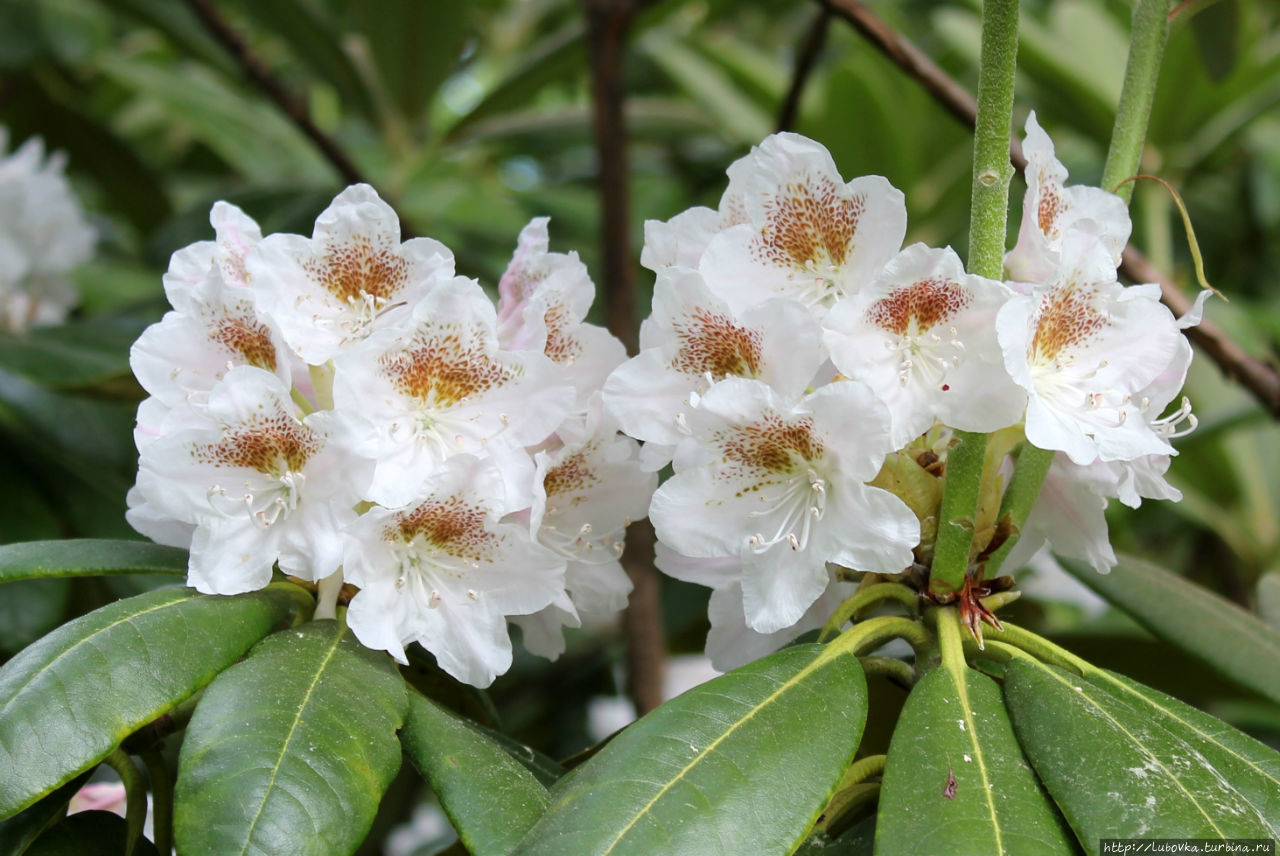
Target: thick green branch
1146,49
959,511
992,170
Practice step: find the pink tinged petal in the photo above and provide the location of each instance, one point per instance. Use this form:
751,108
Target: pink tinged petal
1051,210
1193,316
523,273
237,234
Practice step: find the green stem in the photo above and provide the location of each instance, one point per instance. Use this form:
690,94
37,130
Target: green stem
1028,475
992,170
865,597
951,642
959,509
135,811
1149,33
874,632
161,799
891,668
861,770
327,591
1041,648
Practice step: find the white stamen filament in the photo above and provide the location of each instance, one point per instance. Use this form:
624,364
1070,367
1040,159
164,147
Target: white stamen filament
800,504
1168,426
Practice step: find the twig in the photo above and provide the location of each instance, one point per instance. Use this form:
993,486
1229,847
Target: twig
290,104
806,60
1261,379
607,24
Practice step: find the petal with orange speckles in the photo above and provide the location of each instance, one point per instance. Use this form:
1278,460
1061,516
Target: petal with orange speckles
351,277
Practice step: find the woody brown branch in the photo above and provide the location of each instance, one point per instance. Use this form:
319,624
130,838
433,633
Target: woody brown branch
289,103
608,22
1260,378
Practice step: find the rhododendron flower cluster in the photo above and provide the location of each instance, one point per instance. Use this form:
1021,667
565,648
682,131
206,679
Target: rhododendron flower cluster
347,404
43,236
804,374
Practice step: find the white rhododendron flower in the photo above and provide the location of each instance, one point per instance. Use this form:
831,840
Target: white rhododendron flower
1084,347
922,336
261,484
542,305
446,572
440,385
350,278
43,236
236,233
692,340
779,484
805,234
343,408
214,328
731,641
1051,211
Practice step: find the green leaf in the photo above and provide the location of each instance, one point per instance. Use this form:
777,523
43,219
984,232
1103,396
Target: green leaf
17,833
291,750
704,773
315,43
1113,770
1187,616
90,833
489,796
1216,28
545,769
71,355
955,780
1269,598
1252,767
86,557
397,31
69,699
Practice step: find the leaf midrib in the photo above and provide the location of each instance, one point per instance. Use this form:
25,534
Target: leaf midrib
284,747
821,660
92,636
1138,743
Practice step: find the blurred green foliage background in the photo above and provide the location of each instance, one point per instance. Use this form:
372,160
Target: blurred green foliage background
472,117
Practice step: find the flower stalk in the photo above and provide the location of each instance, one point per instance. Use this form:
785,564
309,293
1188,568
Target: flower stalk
988,214
1149,33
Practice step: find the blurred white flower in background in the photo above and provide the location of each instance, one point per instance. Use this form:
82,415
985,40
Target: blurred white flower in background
43,236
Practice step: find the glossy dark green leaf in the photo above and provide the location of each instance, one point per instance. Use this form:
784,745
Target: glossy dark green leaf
1187,616
545,769
71,355
291,750
17,833
90,833
705,772
1114,771
956,781
1252,767
84,557
489,796
557,57
69,699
